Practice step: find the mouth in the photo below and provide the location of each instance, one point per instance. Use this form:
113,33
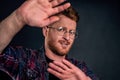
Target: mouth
64,44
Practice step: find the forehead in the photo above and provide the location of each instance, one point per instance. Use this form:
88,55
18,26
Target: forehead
65,22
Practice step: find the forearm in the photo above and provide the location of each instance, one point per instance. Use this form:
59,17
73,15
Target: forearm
8,28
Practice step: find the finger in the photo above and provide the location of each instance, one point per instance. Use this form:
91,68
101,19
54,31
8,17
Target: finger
61,8
63,66
50,20
44,3
55,73
50,0
56,2
67,63
56,68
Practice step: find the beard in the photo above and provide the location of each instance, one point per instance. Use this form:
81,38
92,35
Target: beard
58,50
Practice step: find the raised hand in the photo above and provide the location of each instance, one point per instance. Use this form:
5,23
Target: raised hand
40,12
66,71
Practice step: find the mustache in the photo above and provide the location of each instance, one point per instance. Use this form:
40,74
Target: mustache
64,42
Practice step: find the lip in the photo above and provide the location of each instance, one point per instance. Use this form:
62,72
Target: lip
64,44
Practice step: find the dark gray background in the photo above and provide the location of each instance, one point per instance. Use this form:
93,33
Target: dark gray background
98,43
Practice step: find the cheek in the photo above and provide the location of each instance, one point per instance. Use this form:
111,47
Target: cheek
53,38
72,41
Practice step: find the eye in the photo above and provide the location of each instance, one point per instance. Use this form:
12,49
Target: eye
61,29
72,32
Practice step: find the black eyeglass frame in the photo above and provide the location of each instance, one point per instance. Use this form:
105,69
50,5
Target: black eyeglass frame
58,29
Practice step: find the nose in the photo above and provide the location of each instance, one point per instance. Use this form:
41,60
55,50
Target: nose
66,36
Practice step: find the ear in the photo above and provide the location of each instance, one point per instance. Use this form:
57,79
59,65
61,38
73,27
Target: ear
45,31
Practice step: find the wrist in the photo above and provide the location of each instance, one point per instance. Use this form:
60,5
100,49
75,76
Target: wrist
18,19
82,76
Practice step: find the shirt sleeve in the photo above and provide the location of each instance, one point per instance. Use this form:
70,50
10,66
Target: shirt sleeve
87,71
82,66
9,61
19,62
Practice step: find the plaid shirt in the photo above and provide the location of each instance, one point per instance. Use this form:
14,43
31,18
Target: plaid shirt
27,64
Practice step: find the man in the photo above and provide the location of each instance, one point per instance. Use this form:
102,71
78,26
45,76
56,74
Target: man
51,61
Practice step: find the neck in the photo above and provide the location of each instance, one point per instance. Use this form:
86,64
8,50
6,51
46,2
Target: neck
52,55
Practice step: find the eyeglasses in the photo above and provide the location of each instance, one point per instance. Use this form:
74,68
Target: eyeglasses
62,30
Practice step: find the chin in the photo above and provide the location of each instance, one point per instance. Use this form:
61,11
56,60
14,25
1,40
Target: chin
62,52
